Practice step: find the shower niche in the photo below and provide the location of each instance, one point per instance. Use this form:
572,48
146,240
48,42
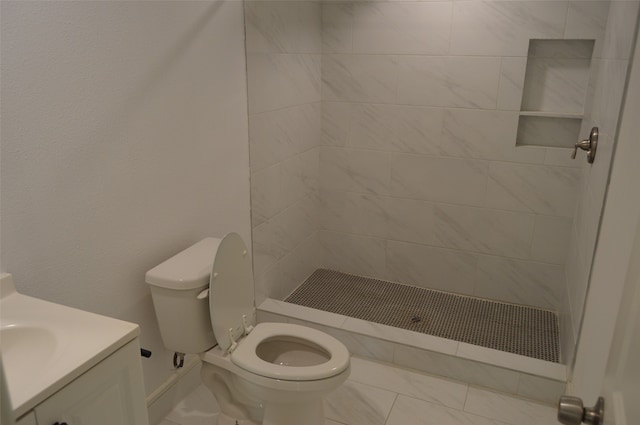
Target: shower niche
554,93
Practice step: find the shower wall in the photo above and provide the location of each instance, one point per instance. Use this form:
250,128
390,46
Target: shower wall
383,143
421,180
283,43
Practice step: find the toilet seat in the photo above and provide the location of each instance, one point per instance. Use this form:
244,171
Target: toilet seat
245,357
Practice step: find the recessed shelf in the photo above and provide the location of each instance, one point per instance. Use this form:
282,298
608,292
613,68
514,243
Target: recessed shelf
556,132
554,92
550,114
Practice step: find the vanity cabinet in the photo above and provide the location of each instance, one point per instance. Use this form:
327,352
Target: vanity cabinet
111,392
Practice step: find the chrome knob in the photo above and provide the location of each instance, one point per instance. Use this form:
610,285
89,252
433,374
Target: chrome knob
571,411
590,145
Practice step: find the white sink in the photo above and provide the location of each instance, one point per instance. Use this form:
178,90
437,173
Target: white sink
45,346
29,350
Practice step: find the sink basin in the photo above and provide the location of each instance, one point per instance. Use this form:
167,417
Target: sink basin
28,349
45,346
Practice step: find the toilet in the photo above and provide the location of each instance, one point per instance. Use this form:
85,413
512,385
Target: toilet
266,373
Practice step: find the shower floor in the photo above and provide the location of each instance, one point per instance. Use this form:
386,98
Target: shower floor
512,328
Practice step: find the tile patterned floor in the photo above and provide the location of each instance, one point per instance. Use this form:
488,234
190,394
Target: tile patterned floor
378,394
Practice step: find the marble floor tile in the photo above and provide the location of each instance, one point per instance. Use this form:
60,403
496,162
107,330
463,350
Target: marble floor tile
359,404
380,394
511,410
198,408
402,381
408,410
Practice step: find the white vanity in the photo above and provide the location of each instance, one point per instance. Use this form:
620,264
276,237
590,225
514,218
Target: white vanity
68,366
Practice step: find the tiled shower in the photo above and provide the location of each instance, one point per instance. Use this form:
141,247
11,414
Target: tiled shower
414,142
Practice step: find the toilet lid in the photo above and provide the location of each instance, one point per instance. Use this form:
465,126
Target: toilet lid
231,290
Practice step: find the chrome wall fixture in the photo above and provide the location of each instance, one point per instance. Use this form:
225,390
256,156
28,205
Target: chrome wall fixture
590,145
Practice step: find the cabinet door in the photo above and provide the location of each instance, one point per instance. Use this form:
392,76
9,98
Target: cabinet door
112,392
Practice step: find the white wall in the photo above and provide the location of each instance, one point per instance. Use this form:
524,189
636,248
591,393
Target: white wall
608,76
613,256
124,140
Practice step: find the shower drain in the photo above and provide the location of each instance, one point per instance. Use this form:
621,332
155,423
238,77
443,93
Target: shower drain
507,327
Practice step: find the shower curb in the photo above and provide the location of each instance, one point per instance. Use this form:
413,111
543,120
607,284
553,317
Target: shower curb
530,378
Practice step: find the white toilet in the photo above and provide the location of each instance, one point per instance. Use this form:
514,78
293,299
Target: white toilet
270,373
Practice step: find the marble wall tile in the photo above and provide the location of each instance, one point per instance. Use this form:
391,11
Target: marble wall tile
512,361
268,247
310,27
391,128
507,409
368,214
482,230
542,389
551,239
407,410
373,127
266,194
577,282
484,134
361,171
608,79
271,27
438,179
430,267
276,135
265,282
354,254
299,177
372,215
297,265
283,27
363,345
533,188
543,131
334,212
401,336
336,123
418,130
358,404
451,81
512,72
322,320
568,335
268,142
456,368
556,84
520,282
277,81
402,28
620,29
359,78
503,28
337,28
587,20
425,387
408,220
560,157
264,317
296,223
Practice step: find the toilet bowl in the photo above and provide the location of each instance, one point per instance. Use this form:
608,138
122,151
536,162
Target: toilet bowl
269,373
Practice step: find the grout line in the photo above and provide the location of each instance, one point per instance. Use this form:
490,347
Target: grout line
390,410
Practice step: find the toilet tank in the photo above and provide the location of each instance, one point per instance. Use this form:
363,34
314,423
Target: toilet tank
182,308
